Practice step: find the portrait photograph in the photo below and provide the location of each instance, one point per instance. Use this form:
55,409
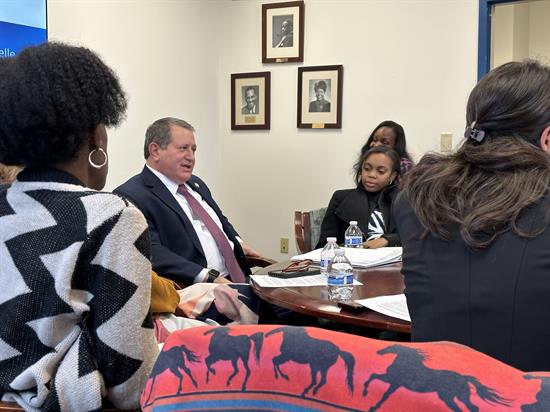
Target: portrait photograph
283,32
250,100
320,97
250,95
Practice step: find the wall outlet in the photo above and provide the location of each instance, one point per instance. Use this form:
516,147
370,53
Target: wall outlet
446,142
284,245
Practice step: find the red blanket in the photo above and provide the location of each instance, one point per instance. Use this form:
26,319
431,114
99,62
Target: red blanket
263,367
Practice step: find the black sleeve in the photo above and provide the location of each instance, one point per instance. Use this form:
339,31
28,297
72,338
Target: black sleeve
164,261
332,224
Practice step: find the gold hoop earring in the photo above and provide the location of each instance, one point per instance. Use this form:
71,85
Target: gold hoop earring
95,165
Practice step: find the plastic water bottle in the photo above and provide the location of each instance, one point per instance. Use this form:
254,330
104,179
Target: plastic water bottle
353,236
340,277
327,254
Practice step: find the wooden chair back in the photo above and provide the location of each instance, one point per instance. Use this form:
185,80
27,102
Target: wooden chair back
307,228
302,231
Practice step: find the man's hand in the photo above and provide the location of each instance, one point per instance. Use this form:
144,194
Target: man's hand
375,243
221,279
248,251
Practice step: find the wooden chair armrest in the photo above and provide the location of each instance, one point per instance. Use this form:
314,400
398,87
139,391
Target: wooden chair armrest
13,407
299,232
259,261
10,407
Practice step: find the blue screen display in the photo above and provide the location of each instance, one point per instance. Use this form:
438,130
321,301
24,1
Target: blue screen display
22,23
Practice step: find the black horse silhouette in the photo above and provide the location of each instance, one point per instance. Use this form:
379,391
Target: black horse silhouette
224,346
408,371
299,347
170,359
543,396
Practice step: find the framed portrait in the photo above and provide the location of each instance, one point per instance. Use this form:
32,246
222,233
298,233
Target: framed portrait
250,100
320,97
283,32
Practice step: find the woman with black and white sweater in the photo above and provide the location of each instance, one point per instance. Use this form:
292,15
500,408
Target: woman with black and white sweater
74,261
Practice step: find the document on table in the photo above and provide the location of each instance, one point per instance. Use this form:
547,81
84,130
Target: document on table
361,257
273,282
394,305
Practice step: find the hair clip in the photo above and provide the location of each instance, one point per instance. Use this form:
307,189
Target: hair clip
475,134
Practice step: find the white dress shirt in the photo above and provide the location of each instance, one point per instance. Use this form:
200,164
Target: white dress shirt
214,259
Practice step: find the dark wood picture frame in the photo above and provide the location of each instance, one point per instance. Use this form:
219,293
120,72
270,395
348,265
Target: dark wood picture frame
318,110
250,114
278,47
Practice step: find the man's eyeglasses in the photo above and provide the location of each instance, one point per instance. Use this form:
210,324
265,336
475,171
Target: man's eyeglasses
298,266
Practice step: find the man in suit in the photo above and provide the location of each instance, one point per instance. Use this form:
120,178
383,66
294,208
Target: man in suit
192,241
286,35
250,107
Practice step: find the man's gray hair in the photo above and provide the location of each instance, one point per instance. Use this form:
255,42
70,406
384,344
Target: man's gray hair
159,132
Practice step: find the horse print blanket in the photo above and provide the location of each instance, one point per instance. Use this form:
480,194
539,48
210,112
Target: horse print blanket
281,368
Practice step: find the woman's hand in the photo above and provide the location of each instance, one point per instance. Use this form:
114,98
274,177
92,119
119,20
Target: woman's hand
375,243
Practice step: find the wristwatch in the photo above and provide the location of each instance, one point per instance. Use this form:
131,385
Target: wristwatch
212,275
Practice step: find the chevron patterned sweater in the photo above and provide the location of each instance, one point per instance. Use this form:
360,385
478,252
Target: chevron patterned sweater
75,290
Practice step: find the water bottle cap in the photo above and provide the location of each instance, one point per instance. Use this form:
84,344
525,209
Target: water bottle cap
353,222
331,239
339,252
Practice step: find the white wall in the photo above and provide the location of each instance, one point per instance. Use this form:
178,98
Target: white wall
165,53
410,61
519,31
539,31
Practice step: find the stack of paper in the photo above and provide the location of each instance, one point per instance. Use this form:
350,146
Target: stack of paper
312,280
361,257
395,305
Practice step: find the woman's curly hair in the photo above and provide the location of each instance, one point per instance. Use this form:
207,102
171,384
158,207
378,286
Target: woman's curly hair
53,96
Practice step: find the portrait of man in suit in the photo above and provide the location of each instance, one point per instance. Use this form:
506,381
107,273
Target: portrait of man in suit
250,99
319,90
283,31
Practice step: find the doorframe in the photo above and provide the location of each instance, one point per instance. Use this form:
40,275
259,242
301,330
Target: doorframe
484,35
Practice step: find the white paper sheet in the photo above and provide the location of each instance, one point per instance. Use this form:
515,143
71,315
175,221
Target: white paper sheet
361,257
273,282
394,305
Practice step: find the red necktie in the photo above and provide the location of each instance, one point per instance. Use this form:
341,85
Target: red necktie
235,272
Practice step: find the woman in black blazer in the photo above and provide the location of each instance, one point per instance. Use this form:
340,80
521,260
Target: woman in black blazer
369,203
475,225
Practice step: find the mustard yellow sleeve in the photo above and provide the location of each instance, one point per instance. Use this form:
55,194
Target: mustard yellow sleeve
164,296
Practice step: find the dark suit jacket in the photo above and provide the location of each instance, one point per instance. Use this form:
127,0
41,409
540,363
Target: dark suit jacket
495,300
316,106
353,204
176,249
286,41
245,110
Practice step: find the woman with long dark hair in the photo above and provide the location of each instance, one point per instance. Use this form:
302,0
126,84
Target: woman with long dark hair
475,225
369,203
391,134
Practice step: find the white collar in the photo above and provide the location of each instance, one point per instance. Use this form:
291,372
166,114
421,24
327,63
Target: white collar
166,181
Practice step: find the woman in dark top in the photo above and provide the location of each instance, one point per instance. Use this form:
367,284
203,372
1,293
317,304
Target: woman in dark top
320,104
475,225
391,134
369,203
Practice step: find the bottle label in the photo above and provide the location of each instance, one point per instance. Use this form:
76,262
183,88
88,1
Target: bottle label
353,240
341,279
325,263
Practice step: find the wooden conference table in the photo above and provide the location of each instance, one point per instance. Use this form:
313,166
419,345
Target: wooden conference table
313,300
